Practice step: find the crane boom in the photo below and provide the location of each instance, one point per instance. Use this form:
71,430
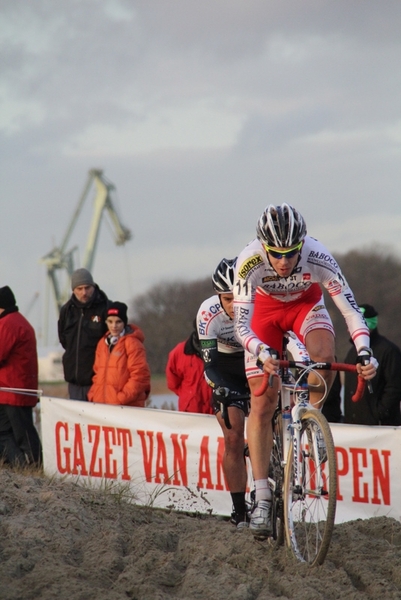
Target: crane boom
59,259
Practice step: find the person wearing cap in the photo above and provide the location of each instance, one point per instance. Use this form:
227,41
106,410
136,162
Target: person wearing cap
81,324
382,407
122,374
19,441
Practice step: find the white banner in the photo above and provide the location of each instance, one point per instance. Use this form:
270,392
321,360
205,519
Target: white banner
170,459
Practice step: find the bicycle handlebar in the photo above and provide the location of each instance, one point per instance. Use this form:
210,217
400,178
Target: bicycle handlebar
319,366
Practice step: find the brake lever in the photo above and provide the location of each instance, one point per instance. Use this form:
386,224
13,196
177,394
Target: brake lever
274,355
365,361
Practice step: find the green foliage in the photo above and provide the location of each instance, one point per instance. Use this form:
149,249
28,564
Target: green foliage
166,315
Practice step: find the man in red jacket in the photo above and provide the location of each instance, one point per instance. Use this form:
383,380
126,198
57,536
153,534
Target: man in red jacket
19,440
185,377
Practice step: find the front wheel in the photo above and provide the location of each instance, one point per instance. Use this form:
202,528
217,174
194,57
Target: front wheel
276,473
310,497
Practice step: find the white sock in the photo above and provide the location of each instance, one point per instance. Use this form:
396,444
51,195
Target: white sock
262,490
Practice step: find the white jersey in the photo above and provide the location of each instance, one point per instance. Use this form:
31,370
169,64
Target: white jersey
254,275
214,324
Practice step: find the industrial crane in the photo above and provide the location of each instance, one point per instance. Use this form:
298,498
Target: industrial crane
61,259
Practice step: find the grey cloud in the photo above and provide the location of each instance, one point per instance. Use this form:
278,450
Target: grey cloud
261,134
288,71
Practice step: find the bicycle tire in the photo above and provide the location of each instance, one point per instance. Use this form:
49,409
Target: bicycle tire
309,511
276,472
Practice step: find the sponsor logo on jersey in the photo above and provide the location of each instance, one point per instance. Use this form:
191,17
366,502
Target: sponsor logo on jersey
249,265
242,316
270,278
208,343
318,307
306,276
352,302
317,316
335,286
323,260
209,314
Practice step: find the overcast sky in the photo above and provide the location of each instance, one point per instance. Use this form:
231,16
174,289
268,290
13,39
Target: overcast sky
200,114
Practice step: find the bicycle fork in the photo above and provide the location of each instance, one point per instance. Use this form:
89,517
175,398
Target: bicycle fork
292,429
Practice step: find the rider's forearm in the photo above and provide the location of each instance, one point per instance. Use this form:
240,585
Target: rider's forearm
242,328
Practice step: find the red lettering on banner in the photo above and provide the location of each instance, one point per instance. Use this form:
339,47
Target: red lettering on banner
110,473
124,437
71,457
204,465
66,467
147,456
161,466
95,430
342,467
79,467
384,477
219,465
180,460
161,459
380,474
357,474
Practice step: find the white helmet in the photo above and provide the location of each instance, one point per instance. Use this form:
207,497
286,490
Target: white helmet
281,226
223,277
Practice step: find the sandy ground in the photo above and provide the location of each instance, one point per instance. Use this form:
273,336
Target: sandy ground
62,541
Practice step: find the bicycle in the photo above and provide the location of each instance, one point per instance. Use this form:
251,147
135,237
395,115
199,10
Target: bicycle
303,466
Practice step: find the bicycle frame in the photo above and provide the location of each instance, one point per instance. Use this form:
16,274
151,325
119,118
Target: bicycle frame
305,472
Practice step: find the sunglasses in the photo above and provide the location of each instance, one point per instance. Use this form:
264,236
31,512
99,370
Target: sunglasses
283,253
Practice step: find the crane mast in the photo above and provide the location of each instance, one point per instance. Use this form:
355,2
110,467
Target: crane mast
59,259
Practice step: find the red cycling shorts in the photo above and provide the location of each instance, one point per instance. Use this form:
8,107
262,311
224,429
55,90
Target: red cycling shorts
272,318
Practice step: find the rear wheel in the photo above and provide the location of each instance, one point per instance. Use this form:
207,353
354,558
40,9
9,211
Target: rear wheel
310,507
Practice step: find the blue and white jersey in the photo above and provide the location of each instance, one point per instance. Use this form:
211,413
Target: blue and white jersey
213,323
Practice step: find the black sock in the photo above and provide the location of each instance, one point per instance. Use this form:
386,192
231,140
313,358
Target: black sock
239,504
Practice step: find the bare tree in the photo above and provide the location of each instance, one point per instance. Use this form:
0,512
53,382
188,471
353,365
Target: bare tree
375,278
166,315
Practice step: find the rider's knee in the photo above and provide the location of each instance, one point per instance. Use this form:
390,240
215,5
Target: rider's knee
234,438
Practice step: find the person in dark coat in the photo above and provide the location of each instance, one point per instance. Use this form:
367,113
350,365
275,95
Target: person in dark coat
382,407
332,406
81,324
19,441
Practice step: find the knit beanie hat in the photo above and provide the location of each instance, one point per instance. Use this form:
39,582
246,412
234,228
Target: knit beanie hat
7,298
118,309
370,314
81,277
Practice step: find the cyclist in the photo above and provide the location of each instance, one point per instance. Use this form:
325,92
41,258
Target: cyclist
276,289
223,358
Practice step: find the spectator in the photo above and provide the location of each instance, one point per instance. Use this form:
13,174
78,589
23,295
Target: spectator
122,374
80,326
332,405
382,407
185,376
19,440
